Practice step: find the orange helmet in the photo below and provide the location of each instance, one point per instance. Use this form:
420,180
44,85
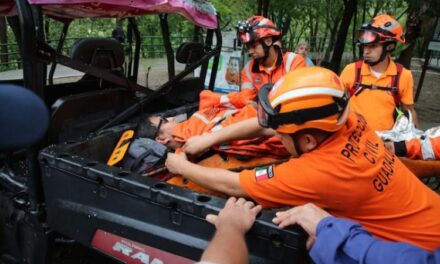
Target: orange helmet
381,29
310,97
256,28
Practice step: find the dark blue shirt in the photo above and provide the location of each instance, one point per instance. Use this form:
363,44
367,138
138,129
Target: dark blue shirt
343,241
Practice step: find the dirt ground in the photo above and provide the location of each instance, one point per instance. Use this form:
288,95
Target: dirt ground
428,103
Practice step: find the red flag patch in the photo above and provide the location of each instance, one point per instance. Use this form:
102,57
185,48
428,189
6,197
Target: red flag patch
263,173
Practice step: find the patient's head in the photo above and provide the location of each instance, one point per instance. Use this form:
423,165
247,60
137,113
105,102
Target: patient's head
161,130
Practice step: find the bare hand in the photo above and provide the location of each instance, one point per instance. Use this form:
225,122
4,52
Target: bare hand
175,162
307,216
198,144
238,214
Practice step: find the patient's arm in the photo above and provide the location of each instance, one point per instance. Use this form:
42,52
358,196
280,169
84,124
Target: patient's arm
219,180
245,129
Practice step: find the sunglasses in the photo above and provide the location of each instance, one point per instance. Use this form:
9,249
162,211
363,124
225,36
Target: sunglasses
162,120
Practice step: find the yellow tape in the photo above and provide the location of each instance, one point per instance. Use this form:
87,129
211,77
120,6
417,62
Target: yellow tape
121,148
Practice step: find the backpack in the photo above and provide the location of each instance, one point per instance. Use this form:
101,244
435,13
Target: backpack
144,154
358,87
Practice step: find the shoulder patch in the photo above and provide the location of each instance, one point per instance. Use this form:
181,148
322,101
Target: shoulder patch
263,173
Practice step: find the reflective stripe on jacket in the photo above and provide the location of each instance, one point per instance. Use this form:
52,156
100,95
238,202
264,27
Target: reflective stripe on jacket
253,78
214,119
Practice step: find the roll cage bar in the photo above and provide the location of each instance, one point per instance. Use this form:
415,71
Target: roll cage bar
37,54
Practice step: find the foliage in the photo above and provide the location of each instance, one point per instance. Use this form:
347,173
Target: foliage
314,21
232,11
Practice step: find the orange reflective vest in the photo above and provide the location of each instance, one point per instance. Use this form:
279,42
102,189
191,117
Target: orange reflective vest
214,119
269,150
254,76
419,149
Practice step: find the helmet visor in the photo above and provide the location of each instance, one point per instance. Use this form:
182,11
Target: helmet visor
367,37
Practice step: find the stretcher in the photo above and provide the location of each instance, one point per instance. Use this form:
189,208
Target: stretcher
423,168
223,161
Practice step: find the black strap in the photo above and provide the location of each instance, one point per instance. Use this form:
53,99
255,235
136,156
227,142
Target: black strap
301,116
358,87
137,163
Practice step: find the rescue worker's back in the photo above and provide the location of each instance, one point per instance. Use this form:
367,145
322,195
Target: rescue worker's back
352,175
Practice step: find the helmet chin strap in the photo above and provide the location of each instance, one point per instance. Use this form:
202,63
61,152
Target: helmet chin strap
382,57
295,140
265,49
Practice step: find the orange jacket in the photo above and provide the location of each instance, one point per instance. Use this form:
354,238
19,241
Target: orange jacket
214,119
352,175
253,77
419,149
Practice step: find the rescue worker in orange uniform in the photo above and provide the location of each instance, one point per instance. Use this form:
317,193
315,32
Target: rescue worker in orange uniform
337,163
267,65
377,85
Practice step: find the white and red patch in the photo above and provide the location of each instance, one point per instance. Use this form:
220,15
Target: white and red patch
264,173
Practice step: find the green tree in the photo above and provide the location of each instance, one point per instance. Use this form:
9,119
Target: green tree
419,26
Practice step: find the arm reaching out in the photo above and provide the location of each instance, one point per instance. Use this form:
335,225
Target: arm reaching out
307,216
241,130
219,180
233,221
343,241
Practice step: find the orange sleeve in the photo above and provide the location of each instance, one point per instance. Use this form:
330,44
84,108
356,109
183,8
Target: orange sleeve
240,99
406,87
435,142
209,99
347,76
275,186
426,149
414,149
297,63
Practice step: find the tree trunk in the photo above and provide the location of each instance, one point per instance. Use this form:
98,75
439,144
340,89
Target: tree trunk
3,41
353,34
265,7
349,8
14,23
331,43
419,24
286,25
260,8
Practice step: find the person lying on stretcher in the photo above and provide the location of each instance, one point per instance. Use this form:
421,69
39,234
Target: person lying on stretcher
425,147
173,134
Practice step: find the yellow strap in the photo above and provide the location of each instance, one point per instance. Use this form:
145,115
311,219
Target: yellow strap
121,148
